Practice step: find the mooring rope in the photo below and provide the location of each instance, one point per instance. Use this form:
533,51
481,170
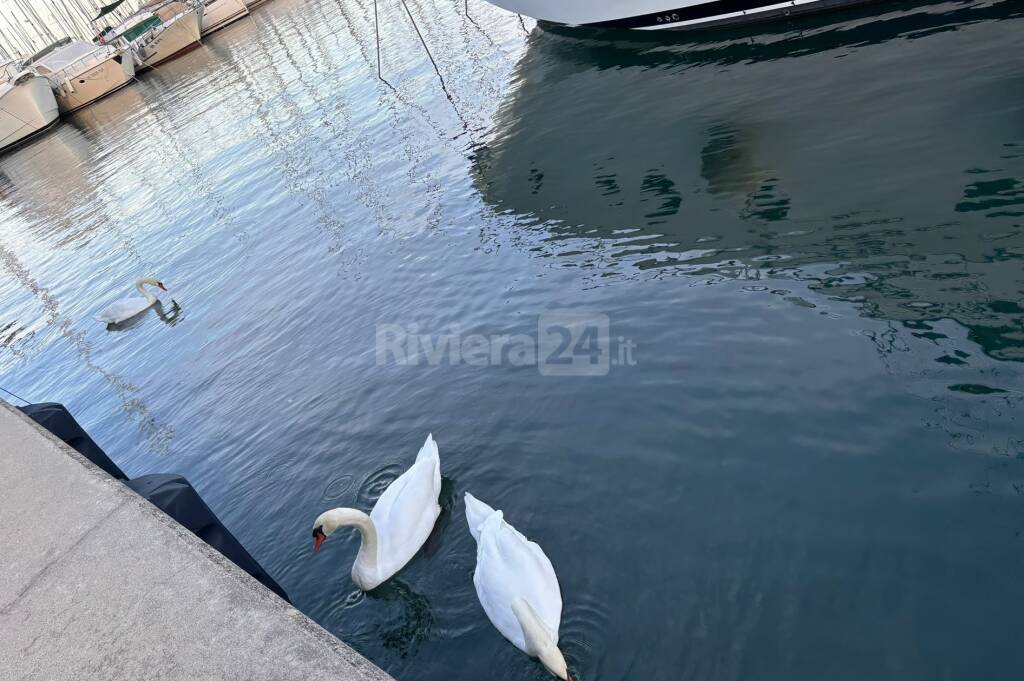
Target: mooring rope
14,396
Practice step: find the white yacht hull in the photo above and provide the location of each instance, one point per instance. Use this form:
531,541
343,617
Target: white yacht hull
665,14
99,81
219,13
26,108
177,36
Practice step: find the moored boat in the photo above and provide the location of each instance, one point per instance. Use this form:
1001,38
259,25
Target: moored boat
219,13
160,30
81,72
666,14
27,105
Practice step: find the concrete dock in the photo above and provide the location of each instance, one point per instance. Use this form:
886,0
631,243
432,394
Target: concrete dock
96,584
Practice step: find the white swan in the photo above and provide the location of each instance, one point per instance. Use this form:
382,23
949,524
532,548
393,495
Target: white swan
517,586
399,523
124,310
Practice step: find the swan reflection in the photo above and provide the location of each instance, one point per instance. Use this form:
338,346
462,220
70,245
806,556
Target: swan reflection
403,631
170,316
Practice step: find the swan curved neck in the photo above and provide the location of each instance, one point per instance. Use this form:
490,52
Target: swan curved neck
366,560
140,287
535,633
541,642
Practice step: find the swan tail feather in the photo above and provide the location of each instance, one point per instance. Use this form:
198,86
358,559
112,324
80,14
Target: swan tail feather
428,450
477,512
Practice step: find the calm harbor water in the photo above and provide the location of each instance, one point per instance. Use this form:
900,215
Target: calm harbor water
813,233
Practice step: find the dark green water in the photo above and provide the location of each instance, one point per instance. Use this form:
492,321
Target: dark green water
813,234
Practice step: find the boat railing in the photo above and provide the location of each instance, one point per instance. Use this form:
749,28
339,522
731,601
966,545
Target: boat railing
9,70
152,10
88,60
186,7
150,34
15,72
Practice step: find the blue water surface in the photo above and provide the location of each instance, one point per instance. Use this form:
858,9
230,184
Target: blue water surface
810,236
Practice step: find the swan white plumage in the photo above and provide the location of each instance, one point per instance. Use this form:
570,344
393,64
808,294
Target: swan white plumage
398,525
517,586
123,310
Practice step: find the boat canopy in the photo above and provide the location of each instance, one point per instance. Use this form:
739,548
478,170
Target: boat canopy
141,25
47,50
71,52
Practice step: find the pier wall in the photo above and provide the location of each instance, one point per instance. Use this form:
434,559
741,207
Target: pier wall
96,584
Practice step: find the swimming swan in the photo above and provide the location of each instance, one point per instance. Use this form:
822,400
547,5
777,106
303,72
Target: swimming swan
398,525
124,310
517,586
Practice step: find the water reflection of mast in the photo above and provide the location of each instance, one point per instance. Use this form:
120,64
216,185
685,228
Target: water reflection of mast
492,65
159,436
355,33
344,139
291,150
107,116
417,173
464,124
114,217
200,185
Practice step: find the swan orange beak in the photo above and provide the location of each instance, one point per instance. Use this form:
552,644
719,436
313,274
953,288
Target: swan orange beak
318,539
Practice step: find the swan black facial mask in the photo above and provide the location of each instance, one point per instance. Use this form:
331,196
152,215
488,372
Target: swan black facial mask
392,533
318,538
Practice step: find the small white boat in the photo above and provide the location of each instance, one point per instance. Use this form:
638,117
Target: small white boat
27,105
160,30
81,72
665,14
219,13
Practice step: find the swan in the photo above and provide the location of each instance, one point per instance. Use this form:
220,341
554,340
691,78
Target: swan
124,310
398,525
517,586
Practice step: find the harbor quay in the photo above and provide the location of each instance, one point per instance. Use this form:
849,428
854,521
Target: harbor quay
96,584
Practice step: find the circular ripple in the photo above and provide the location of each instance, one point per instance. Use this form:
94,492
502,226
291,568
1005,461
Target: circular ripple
337,487
352,599
583,631
375,484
